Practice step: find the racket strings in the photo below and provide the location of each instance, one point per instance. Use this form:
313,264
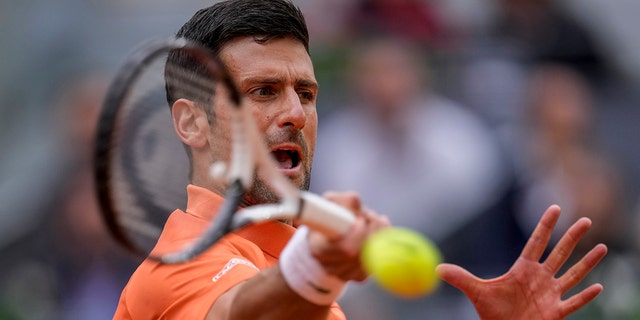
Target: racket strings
148,170
151,167
188,83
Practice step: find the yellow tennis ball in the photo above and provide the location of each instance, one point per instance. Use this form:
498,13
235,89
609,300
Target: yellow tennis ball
402,261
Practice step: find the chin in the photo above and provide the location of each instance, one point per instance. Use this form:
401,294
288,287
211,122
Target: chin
303,182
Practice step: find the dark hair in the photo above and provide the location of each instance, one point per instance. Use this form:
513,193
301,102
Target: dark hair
215,26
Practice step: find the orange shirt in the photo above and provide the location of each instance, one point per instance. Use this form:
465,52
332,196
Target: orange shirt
188,290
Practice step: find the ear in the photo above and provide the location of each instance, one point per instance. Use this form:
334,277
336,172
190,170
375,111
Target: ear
190,123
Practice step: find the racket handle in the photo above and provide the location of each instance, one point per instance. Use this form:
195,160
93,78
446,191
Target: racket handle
325,216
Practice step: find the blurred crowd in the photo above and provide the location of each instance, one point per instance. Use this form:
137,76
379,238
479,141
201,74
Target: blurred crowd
461,119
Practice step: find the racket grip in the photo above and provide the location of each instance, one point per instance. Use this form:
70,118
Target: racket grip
322,215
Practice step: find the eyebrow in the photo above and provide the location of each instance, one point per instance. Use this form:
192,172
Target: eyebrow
275,81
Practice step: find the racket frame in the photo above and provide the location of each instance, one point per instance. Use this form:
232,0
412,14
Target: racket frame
248,154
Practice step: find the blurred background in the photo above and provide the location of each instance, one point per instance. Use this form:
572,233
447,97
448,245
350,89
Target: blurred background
462,119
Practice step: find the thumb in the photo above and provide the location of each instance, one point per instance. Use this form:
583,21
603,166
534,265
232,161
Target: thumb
459,278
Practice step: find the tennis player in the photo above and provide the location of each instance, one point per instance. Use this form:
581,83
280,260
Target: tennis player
273,270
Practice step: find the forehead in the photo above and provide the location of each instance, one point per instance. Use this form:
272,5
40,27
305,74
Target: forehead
280,57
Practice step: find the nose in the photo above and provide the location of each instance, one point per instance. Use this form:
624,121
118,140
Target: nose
293,114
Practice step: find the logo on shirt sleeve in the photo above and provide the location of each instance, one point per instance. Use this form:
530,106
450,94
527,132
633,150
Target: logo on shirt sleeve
230,265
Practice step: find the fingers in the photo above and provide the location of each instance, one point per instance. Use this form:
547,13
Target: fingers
367,223
341,256
579,271
347,199
374,221
351,201
354,239
567,243
459,278
539,239
579,300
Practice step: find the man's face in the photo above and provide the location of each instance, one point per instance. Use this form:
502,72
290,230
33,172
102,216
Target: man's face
278,84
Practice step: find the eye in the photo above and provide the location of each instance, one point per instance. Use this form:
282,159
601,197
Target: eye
306,95
263,92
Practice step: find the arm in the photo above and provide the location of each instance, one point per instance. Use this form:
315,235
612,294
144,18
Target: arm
530,289
268,295
265,296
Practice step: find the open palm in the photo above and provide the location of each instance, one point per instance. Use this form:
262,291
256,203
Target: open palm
530,289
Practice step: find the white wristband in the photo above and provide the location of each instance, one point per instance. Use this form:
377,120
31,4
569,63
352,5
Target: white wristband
304,274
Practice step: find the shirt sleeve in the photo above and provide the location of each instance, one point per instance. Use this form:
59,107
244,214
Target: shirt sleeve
188,290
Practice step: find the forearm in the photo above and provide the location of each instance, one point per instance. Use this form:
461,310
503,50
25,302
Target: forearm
315,273
265,296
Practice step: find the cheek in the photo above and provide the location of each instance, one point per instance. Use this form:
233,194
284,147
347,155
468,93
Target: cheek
220,136
263,119
310,130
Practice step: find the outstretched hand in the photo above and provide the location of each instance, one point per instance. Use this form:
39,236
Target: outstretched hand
530,289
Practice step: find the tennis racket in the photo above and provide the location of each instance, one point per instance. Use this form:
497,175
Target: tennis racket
142,169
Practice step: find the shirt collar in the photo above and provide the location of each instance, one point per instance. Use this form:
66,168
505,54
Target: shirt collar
272,238
202,203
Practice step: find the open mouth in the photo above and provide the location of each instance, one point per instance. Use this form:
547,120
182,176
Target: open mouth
286,158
